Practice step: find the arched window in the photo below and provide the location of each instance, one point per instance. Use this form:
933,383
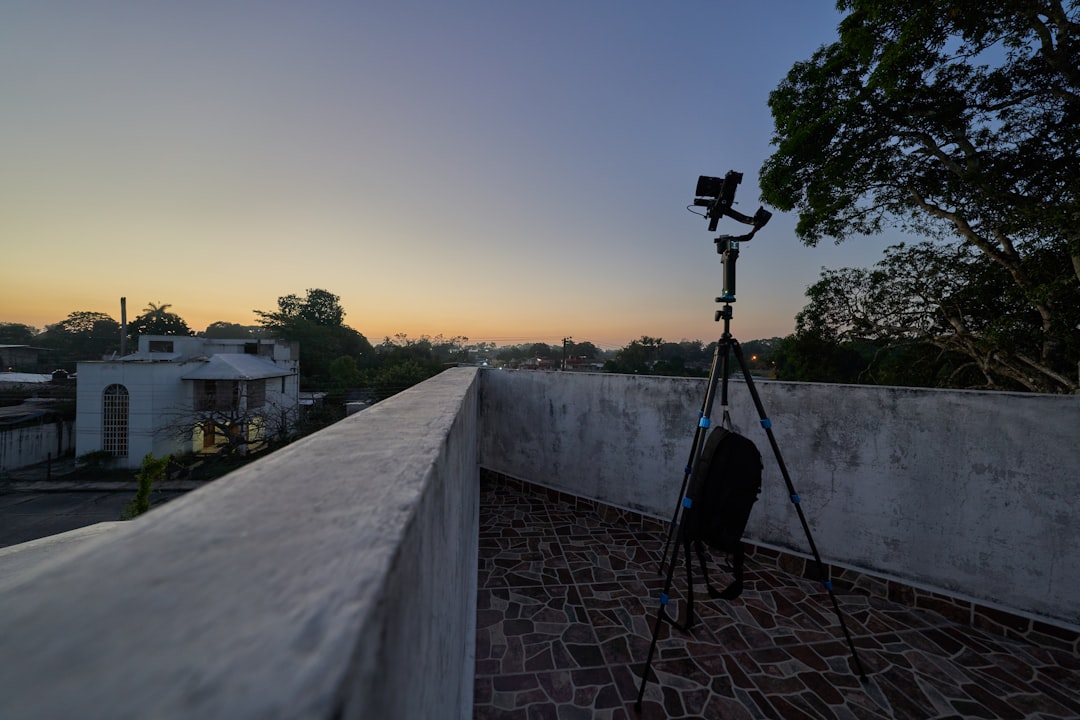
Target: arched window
114,420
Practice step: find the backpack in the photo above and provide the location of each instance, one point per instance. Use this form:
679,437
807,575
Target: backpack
722,491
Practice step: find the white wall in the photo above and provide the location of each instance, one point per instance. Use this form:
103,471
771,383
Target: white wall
158,401
971,493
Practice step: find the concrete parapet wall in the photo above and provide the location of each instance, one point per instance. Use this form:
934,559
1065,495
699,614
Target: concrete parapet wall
335,578
966,492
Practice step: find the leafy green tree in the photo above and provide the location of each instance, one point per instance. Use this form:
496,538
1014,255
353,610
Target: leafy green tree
810,357
543,350
230,330
157,320
344,374
12,333
637,357
966,315
393,377
583,350
82,335
759,355
319,307
959,120
317,323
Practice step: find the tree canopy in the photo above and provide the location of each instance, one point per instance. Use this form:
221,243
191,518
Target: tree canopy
82,335
229,330
157,320
958,120
12,333
317,323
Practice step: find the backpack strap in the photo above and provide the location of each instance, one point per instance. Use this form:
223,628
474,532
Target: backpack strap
733,590
688,617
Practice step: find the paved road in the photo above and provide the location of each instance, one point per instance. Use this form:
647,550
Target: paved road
26,516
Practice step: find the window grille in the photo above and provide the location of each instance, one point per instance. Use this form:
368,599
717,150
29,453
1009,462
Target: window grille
114,420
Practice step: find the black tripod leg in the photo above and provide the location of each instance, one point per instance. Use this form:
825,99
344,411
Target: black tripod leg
716,372
767,425
662,617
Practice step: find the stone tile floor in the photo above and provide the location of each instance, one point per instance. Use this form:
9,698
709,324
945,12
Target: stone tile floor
565,612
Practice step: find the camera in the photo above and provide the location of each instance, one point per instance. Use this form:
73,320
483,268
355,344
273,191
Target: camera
717,194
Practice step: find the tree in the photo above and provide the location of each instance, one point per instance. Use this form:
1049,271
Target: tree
157,320
809,357
316,322
959,120
637,357
318,307
966,315
759,354
402,362
584,349
344,374
391,378
82,335
229,330
544,351
12,333
234,417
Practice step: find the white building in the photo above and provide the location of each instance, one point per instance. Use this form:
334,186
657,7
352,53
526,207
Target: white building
187,394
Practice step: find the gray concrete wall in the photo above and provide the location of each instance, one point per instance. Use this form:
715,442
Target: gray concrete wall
972,493
333,578
34,444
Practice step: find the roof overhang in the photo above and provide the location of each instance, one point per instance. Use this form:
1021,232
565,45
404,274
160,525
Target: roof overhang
237,367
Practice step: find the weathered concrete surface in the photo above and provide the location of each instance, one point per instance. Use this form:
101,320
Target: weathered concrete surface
33,444
334,578
967,492
19,563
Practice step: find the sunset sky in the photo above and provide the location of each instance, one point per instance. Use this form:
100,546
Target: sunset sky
508,171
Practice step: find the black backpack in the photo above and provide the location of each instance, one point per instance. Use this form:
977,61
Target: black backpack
722,491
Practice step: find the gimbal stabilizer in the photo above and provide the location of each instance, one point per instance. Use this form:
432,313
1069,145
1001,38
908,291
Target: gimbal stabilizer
717,196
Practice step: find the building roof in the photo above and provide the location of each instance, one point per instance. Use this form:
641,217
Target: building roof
21,377
235,366
18,414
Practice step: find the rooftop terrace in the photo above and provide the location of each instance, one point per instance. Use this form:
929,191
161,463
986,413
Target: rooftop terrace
567,601
357,574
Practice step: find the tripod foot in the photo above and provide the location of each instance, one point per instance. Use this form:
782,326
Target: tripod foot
732,591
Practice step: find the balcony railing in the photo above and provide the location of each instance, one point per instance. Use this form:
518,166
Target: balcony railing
337,577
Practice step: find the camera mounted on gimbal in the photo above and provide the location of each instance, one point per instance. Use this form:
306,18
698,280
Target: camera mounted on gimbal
695,502
717,195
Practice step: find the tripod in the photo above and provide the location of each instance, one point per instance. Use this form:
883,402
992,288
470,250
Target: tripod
718,376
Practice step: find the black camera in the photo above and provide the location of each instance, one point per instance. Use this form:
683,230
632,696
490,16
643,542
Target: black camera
717,194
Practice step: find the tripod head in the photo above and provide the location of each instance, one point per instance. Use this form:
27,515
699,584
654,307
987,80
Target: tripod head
717,196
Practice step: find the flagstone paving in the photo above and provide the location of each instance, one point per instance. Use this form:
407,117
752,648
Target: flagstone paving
568,598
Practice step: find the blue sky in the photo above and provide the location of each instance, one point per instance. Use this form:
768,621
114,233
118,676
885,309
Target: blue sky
508,171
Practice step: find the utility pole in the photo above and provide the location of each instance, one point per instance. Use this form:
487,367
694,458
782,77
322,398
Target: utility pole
565,341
